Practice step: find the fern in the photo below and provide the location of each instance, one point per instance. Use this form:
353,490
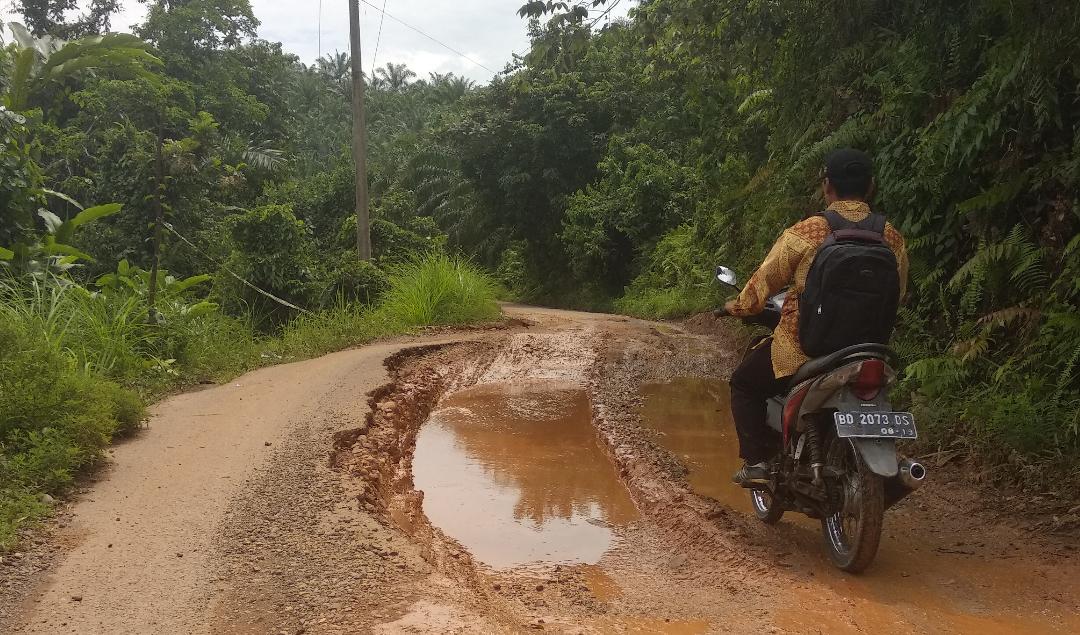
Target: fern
1015,264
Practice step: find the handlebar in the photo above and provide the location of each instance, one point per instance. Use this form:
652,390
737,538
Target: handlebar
768,318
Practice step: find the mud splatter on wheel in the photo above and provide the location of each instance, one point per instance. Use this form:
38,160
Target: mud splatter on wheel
853,533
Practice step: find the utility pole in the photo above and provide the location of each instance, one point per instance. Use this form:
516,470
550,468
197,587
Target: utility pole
159,219
363,231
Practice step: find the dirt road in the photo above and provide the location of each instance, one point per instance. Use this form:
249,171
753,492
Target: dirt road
565,475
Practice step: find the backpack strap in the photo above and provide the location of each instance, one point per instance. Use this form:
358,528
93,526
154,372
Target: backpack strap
874,223
870,229
835,220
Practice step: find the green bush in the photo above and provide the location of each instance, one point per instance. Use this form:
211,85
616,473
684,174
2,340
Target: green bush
438,289
676,280
43,393
664,304
55,419
392,243
338,327
355,280
216,347
273,251
18,506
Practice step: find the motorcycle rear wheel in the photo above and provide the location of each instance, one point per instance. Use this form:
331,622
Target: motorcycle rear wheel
852,535
766,508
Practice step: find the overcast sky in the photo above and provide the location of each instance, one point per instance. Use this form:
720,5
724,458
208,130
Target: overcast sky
488,31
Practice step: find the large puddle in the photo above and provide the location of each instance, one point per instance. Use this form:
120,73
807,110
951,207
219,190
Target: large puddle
515,474
692,419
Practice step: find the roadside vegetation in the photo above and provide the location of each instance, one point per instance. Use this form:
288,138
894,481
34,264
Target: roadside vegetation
77,367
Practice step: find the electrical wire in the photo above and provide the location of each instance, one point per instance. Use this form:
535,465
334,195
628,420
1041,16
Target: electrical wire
591,24
601,16
232,273
442,44
378,40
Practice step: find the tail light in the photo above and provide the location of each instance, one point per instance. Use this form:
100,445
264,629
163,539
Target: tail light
868,383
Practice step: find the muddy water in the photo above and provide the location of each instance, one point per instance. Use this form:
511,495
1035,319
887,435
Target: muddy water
515,474
692,419
917,584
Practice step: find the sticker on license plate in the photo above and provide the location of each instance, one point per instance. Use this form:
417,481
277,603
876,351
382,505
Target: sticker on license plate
878,425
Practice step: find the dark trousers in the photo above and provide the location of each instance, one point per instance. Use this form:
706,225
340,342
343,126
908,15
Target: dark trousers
751,386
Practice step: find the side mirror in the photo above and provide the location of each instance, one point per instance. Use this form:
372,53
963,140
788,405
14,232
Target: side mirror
727,276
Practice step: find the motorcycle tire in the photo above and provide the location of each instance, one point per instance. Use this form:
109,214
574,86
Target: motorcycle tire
853,534
765,506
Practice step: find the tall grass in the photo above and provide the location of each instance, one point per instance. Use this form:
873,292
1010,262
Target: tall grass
437,289
338,327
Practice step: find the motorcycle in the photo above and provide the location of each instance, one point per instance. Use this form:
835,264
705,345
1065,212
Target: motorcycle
838,460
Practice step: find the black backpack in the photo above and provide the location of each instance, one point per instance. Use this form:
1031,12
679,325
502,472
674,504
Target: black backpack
852,290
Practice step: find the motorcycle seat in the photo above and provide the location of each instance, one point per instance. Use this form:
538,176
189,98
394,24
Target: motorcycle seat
822,365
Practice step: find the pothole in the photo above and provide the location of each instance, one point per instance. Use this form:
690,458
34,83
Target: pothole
515,473
691,418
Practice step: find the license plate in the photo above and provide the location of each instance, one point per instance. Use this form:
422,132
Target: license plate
878,425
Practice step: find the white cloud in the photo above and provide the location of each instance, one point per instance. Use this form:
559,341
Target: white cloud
488,31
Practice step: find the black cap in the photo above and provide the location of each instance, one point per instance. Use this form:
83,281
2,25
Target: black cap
849,167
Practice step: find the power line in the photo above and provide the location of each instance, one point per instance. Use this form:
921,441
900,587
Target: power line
610,8
378,40
232,273
442,44
605,13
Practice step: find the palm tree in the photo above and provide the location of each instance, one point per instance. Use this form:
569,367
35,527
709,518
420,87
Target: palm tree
445,193
40,63
336,65
394,76
448,87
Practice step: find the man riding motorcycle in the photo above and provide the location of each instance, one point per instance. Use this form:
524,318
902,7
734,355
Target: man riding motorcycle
766,371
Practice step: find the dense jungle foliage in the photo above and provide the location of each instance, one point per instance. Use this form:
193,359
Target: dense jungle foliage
611,167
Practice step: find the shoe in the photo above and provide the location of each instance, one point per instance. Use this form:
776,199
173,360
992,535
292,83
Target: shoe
752,475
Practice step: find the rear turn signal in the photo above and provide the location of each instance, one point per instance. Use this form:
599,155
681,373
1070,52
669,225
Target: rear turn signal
870,380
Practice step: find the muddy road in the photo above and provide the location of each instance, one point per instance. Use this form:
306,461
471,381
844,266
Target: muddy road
566,473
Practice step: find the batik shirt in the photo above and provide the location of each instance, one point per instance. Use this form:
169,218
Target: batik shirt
788,263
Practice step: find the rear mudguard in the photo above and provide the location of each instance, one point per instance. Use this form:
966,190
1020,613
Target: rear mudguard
879,455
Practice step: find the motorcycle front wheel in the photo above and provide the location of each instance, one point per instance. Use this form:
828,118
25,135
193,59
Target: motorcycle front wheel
853,533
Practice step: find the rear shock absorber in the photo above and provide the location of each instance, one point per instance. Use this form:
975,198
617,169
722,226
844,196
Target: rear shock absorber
813,445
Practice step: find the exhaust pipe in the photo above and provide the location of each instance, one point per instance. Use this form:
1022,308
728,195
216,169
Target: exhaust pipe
912,474
911,477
